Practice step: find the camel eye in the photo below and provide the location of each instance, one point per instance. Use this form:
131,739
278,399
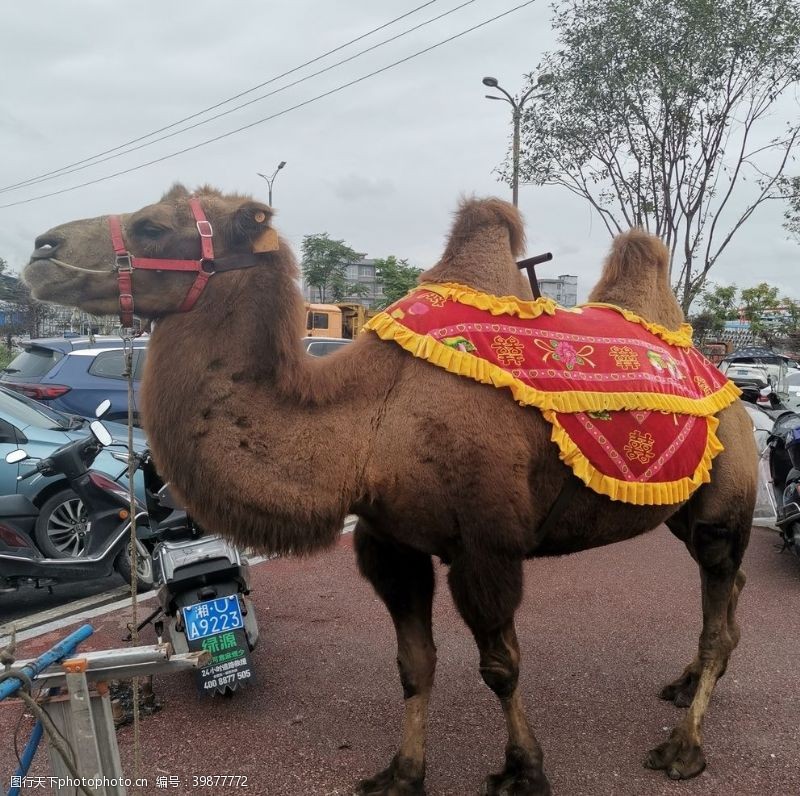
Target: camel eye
149,229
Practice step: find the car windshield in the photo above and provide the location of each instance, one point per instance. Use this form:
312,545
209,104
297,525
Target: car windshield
793,379
28,412
32,363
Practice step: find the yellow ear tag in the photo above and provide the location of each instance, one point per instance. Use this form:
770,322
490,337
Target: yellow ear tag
267,241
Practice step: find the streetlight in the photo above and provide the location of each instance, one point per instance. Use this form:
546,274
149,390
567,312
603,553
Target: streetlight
271,179
516,115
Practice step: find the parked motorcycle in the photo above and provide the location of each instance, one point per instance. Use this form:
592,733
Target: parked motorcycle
203,586
107,505
784,464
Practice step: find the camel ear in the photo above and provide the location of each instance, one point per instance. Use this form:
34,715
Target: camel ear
253,222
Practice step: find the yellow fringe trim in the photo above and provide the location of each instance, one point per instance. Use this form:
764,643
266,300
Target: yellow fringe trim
464,364
635,492
521,308
681,337
497,305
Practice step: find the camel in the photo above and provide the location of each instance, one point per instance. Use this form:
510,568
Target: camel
274,448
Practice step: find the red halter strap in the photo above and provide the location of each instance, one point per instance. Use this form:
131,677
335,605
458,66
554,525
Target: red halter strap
125,263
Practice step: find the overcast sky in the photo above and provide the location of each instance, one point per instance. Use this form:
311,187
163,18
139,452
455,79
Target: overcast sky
380,164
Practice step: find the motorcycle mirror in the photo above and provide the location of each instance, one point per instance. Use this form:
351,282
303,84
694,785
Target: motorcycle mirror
16,456
102,408
101,433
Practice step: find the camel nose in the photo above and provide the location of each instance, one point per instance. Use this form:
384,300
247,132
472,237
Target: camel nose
46,247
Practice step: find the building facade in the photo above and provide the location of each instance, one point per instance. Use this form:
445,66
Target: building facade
361,273
563,289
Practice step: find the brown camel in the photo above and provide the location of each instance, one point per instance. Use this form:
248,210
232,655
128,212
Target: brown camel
274,448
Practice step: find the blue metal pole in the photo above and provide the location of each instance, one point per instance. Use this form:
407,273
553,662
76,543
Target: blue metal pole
56,653
27,756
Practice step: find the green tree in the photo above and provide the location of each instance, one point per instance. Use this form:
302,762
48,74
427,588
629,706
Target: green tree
793,213
397,278
324,266
721,301
718,303
761,306
654,112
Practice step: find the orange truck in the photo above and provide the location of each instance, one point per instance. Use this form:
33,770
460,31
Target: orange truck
336,320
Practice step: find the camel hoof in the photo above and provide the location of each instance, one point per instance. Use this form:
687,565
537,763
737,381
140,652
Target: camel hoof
522,776
681,692
398,779
680,758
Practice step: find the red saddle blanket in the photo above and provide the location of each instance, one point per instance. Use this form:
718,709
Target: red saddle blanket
630,402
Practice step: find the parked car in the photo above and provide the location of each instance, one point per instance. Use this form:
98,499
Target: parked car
24,423
320,346
75,374
792,400
753,369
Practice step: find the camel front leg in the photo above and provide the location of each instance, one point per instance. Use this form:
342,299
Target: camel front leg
719,553
487,594
403,578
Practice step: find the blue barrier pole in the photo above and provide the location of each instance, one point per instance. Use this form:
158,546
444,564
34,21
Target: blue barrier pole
27,756
61,650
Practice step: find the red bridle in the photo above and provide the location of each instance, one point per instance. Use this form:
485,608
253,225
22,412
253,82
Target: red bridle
125,263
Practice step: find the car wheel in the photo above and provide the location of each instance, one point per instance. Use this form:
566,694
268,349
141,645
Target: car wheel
144,566
62,526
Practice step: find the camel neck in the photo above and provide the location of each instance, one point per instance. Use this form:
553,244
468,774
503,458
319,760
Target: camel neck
243,422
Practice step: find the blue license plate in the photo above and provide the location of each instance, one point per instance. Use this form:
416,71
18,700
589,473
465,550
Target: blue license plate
212,616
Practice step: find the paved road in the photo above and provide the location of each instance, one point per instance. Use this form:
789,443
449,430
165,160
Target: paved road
27,601
600,631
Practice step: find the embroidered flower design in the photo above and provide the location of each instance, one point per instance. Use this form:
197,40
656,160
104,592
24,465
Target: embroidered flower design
625,357
508,350
639,446
665,363
702,385
460,344
561,351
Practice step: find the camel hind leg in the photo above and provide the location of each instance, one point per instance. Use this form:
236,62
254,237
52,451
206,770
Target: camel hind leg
715,526
403,578
487,594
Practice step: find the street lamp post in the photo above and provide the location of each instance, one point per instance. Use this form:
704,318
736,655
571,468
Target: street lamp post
516,115
271,179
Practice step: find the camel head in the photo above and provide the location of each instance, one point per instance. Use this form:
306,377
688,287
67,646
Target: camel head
74,263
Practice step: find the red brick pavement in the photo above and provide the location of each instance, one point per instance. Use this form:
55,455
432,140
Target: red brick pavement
601,631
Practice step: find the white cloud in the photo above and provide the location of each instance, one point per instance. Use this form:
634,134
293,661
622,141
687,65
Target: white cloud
381,164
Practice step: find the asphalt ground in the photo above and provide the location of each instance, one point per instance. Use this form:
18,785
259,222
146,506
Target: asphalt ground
28,601
600,631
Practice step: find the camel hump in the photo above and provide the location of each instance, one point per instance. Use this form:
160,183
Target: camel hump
636,276
486,237
476,215
635,251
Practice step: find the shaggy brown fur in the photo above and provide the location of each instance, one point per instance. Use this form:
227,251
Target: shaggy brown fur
274,448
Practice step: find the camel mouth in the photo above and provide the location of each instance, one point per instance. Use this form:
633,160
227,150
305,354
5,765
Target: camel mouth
39,274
